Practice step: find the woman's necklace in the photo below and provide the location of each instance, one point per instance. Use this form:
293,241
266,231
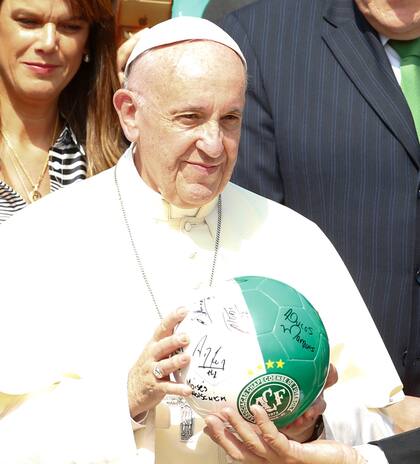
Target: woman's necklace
33,193
21,180
186,426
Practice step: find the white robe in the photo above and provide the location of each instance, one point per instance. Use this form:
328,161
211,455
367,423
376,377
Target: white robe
75,314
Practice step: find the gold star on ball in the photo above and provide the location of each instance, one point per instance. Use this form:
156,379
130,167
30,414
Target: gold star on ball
269,364
280,363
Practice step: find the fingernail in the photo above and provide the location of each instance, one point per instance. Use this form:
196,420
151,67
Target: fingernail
182,312
183,338
184,359
187,391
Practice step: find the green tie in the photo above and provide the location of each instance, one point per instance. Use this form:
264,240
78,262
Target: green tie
409,51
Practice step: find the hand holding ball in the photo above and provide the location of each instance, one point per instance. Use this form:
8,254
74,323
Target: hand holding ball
254,340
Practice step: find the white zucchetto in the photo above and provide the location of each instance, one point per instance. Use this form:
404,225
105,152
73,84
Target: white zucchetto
180,29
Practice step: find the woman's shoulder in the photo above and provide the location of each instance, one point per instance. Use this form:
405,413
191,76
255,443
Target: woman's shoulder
74,203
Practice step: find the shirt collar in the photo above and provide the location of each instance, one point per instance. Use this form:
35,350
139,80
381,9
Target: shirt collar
151,202
67,138
384,39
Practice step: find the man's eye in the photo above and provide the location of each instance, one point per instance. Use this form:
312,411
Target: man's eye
232,119
188,118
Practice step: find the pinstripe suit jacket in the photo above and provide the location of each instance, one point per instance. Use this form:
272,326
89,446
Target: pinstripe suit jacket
327,132
402,448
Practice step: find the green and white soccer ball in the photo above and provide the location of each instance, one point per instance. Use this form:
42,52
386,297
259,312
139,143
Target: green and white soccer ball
254,340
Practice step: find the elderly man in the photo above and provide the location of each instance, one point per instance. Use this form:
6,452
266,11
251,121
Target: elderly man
90,272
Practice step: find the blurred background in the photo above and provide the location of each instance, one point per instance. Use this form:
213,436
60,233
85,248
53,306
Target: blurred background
133,15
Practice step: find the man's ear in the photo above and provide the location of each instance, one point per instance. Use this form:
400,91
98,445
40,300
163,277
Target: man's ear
126,108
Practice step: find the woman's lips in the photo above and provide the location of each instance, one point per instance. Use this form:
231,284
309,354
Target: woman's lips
41,68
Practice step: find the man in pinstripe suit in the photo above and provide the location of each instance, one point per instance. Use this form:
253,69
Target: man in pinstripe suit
216,9
329,133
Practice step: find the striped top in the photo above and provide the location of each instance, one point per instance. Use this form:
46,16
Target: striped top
67,164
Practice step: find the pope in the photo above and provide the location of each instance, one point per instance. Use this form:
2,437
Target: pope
89,298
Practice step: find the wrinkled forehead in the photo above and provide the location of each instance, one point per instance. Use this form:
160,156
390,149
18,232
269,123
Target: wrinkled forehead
193,71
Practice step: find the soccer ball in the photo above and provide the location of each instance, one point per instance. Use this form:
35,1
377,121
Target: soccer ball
254,340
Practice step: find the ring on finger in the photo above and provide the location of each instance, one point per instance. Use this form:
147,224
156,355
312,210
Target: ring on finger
157,372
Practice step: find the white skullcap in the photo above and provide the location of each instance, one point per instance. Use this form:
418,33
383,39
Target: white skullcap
179,29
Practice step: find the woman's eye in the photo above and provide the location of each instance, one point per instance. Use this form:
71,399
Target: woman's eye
28,22
71,27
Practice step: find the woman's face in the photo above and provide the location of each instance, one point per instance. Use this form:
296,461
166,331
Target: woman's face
42,45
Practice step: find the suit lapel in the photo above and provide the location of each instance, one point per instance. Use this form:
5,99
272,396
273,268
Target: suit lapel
360,53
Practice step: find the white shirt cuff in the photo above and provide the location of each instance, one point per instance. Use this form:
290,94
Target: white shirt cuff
140,421
372,454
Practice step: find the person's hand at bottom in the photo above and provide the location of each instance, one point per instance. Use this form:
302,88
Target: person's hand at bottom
264,444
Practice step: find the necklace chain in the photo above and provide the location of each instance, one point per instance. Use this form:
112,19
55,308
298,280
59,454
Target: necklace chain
21,180
34,194
137,255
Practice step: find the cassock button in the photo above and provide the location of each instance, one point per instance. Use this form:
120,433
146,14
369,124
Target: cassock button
418,276
418,193
187,227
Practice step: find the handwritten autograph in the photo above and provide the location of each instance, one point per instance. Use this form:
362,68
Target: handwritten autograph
201,392
236,319
295,329
210,358
202,314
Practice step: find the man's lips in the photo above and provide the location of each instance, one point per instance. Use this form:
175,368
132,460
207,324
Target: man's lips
204,167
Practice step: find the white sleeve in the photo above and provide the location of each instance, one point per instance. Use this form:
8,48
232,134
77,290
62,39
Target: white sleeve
372,454
140,421
357,349
349,421
83,421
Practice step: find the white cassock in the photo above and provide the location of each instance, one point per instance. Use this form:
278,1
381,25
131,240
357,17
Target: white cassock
75,315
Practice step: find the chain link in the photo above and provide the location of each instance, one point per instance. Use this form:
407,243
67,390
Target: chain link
137,254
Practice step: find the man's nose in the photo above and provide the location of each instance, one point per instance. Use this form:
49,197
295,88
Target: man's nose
211,140
47,41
